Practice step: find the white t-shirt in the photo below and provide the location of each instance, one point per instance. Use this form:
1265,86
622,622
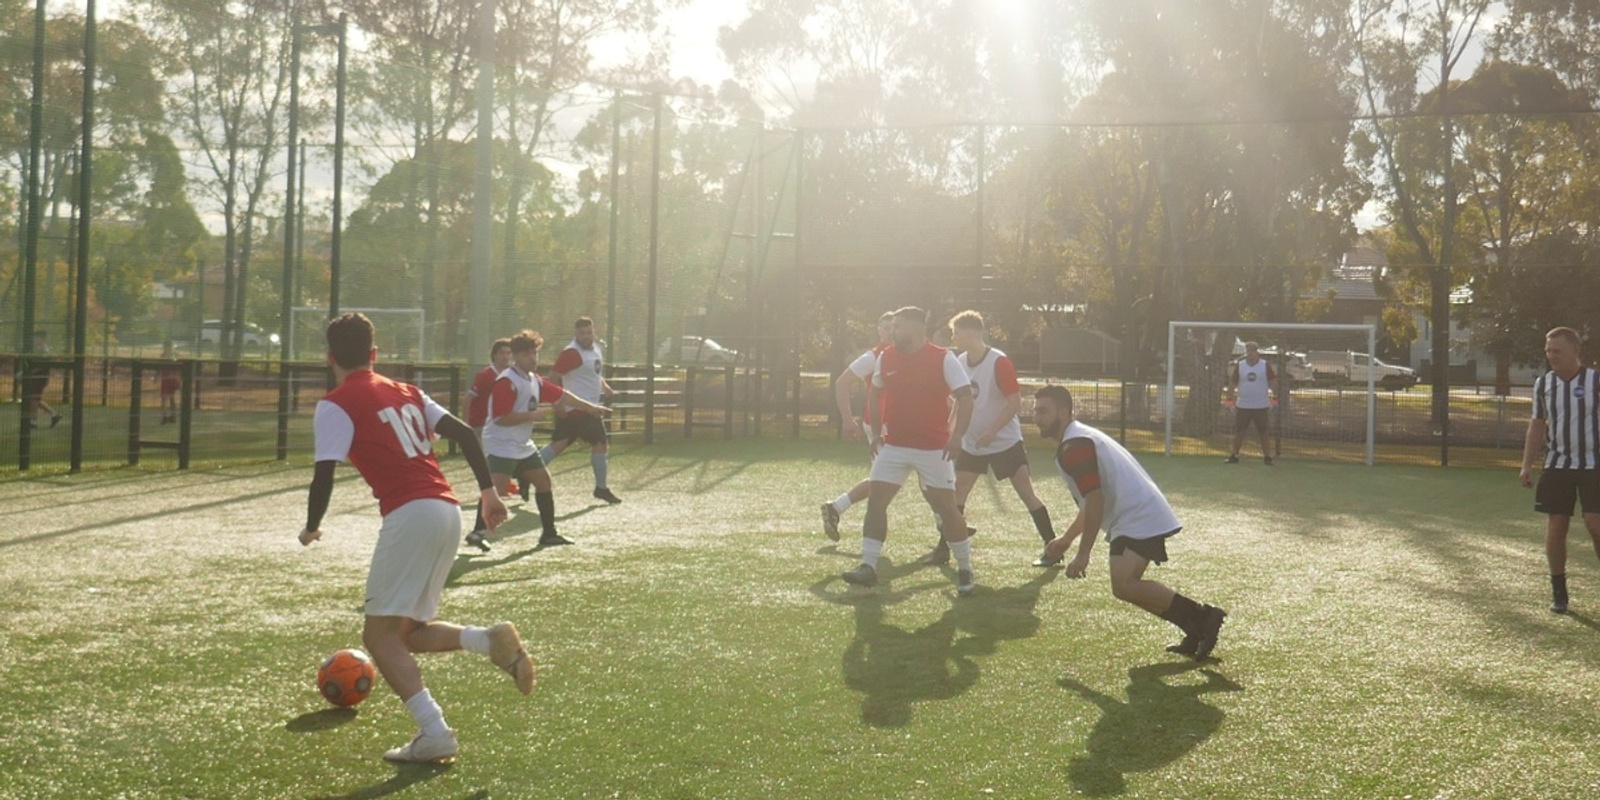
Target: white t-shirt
1134,505
993,379
863,365
1253,383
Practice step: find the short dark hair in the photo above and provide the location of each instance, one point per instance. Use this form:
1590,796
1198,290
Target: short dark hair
968,319
525,341
912,313
1567,334
498,343
1055,393
350,340
583,322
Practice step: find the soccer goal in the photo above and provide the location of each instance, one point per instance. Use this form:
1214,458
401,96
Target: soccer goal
401,332
1328,377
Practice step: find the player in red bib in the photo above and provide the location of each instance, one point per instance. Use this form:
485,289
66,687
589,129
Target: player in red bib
171,381
915,380
386,430
478,416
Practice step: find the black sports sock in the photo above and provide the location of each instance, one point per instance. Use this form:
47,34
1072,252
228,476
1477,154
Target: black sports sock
477,522
1041,521
547,511
1184,613
522,488
1558,589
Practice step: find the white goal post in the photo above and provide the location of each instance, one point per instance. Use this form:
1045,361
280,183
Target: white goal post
1318,365
402,332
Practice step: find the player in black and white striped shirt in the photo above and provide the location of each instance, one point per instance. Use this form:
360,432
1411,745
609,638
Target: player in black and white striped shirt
1566,422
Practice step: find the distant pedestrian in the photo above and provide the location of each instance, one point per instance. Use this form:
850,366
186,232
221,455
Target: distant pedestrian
35,380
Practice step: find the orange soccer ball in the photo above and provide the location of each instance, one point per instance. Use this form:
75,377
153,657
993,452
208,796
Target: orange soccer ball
346,678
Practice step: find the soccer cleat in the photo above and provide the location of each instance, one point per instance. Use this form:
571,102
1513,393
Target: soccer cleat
965,582
479,539
861,576
1558,607
1185,647
553,540
830,521
939,555
55,419
1231,460
1047,560
425,749
606,495
1206,637
507,653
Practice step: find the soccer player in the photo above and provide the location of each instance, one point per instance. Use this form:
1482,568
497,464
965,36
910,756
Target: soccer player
915,380
858,372
579,370
385,429
478,416
35,380
994,439
1566,421
1255,384
508,436
171,381
1114,493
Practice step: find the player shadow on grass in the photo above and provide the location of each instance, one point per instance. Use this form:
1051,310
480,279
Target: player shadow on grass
405,776
895,668
1158,724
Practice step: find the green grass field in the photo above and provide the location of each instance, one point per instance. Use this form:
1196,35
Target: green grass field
1387,638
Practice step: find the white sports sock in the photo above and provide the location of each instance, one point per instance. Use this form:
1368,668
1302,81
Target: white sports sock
870,550
428,714
962,550
475,640
842,503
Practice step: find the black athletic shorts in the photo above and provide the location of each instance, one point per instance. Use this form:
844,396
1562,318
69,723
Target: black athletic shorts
1004,463
1243,418
587,427
1153,549
1560,490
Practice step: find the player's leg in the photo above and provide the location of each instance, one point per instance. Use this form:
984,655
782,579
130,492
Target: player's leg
535,474
599,460
1239,420
1556,496
889,471
1199,623
940,554
939,489
556,447
1261,431
833,509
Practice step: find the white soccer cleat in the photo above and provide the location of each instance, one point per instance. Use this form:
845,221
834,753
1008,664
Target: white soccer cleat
425,749
506,652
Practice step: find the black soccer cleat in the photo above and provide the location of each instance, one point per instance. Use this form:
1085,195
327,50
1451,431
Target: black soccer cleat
1205,639
479,539
1558,607
861,576
1185,647
830,521
606,495
553,540
1231,460
939,555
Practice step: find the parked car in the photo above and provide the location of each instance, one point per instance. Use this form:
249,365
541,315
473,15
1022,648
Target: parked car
694,350
1348,366
252,338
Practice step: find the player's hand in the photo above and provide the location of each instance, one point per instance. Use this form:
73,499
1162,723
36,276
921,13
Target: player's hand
875,444
494,511
1227,401
307,536
853,430
600,411
986,440
1078,566
1273,402
1526,478
952,450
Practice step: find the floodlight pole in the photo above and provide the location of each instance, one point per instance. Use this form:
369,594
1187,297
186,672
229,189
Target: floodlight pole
286,289
30,239
80,312
655,241
335,253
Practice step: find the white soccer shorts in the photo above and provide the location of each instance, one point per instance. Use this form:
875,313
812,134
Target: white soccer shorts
895,464
416,548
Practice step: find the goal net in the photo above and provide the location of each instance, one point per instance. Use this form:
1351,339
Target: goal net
402,333
1329,377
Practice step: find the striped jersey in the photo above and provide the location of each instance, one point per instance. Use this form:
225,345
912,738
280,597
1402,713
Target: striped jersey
1572,418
